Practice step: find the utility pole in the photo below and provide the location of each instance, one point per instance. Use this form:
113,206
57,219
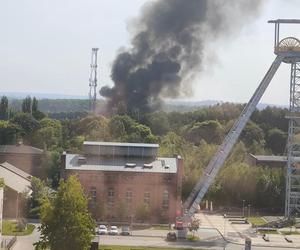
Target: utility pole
93,82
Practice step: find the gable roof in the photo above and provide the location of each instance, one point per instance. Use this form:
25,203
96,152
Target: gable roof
15,178
20,149
15,170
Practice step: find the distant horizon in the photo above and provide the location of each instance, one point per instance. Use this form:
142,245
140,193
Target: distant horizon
46,46
185,102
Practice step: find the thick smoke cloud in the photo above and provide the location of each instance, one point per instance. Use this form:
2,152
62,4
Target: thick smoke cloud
168,44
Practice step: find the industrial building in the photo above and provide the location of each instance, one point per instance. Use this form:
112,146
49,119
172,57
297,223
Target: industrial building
272,161
127,181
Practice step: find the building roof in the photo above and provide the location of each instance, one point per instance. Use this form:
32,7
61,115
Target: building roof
273,158
16,170
115,149
121,144
20,149
121,164
15,178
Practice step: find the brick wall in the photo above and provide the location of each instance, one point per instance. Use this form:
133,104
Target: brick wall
152,187
29,163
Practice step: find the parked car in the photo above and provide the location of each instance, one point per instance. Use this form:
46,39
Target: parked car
113,230
125,230
102,229
171,236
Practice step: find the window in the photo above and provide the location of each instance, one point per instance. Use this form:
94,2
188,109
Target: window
110,196
167,178
93,194
165,199
147,198
111,178
128,196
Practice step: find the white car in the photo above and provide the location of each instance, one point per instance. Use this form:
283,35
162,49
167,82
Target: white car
113,230
102,229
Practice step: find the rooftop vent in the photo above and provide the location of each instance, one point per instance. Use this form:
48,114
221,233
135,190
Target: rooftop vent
147,165
167,167
81,160
130,165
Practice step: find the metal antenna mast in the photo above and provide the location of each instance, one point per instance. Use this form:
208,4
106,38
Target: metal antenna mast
93,81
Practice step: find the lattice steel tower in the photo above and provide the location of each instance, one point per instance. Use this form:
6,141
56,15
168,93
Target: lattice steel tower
289,47
93,81
287,51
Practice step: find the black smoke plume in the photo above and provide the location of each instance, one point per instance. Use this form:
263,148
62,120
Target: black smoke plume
168,44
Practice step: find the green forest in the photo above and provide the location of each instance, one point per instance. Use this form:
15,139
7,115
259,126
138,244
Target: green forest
193,134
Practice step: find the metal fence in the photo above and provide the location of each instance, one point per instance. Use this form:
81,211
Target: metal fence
7,244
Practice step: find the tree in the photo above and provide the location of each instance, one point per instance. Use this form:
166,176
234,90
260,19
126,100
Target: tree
49,134
252,133
40,191
93,127
27,123
9,132
158,123
54,169
34,107
26,105
142,212
124,128
276,140
3,108
211,131
66,223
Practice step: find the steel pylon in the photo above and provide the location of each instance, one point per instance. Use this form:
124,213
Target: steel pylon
292,202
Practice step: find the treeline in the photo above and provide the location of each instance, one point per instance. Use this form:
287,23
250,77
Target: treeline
58,105
194,135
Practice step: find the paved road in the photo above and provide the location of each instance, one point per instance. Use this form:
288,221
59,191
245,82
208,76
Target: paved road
210,239
237,233
26,242
214,244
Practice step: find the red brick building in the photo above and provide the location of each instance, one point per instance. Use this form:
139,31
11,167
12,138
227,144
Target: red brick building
26,158
127,181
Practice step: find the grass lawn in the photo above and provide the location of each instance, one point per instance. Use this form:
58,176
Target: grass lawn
161,227
290,232
268,232
10,228
191,237
256,221
139,248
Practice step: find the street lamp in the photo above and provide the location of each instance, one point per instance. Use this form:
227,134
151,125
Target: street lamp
243,208
249,207
17,207
224,224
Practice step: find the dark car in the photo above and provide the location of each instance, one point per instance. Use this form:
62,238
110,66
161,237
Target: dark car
171,236
125,230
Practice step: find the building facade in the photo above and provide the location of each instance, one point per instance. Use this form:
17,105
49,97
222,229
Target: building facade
272,161
26,158
17,187
127,181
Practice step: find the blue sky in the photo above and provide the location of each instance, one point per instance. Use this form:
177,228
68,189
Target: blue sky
46,47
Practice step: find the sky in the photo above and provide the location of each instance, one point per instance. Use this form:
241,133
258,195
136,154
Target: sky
45,47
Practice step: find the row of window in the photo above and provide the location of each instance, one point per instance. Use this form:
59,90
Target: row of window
128,196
